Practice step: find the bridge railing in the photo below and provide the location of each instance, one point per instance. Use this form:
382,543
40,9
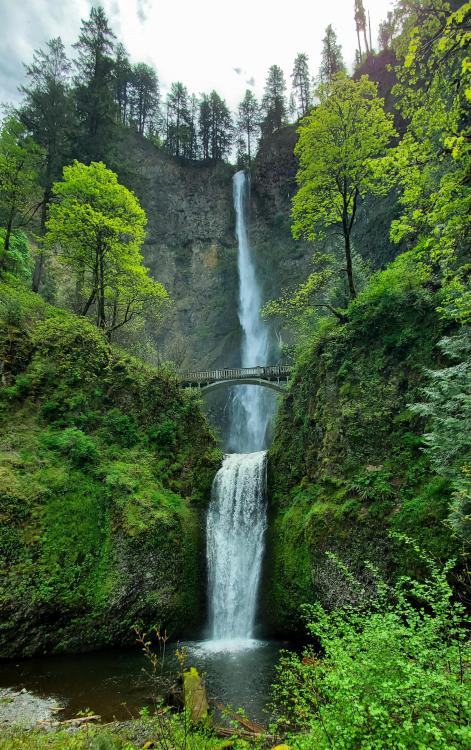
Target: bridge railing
270,372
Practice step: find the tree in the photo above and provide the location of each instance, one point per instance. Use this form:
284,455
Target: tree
431,163
95,86
21,160
386,31
274,106
331,57
205,125
360,24
123,77
215,126
47,114
248,124
301,85
221,127
144,97
99,227
178,119
337,148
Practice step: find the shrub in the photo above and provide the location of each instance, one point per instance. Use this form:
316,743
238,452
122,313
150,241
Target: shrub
72,443
392,673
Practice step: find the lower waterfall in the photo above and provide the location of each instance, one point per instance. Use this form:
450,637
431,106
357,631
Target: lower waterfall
235,529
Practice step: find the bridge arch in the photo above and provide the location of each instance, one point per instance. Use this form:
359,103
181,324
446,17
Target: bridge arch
274,377
278,387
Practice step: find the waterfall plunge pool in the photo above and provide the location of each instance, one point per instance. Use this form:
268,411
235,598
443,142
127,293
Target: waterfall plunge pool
114,684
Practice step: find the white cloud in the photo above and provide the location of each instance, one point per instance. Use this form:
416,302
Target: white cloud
199,42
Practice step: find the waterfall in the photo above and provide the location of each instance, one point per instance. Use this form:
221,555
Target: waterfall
235,530
252,406
237,513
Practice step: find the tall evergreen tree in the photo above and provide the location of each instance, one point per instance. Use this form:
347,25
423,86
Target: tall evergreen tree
177,120
274,106
360,24
205,125
95,87
386,31
301,84
47,114
248,126
331,59
144,97
123,78
221,127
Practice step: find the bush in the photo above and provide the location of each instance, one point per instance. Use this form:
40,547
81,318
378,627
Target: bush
392,674
72,443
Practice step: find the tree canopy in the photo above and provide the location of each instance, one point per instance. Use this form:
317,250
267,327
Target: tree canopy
338,146
99,227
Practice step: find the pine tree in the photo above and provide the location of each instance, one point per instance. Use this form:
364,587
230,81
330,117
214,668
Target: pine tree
47,114
144,97
205,125
177,120
301,84
332,59
274,105
248,126
360,24
123,76
95,87
386,31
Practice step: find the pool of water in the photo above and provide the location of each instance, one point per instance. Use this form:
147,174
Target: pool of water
115,684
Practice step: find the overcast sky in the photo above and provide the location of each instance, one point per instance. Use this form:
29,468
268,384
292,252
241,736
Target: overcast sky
207,44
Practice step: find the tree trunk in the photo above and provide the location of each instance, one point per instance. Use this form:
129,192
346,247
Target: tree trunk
6,244
348,258
101,294
39,265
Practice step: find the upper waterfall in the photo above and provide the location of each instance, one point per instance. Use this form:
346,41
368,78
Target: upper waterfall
252,408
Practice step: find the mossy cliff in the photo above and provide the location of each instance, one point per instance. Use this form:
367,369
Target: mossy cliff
347,466
106,465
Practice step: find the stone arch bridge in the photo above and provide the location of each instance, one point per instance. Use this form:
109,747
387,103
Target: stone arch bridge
274,377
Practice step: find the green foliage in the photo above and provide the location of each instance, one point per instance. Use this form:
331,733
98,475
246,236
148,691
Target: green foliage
339,145
20,162
73,444
393,671
99,226
431,162
103,461
17,260
447,403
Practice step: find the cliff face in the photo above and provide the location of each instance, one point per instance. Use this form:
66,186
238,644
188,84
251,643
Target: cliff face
191,246
191,249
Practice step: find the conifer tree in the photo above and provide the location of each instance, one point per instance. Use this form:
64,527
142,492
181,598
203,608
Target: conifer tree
47,114
331,59
123,77
178,119
95,87
360,24
301,85
144,97
248,126
274,106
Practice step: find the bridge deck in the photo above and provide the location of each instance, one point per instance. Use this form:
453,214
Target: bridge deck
271,373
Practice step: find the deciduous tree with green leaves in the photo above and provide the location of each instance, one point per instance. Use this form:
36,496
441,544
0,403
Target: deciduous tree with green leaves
339,146
99,227
21,160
